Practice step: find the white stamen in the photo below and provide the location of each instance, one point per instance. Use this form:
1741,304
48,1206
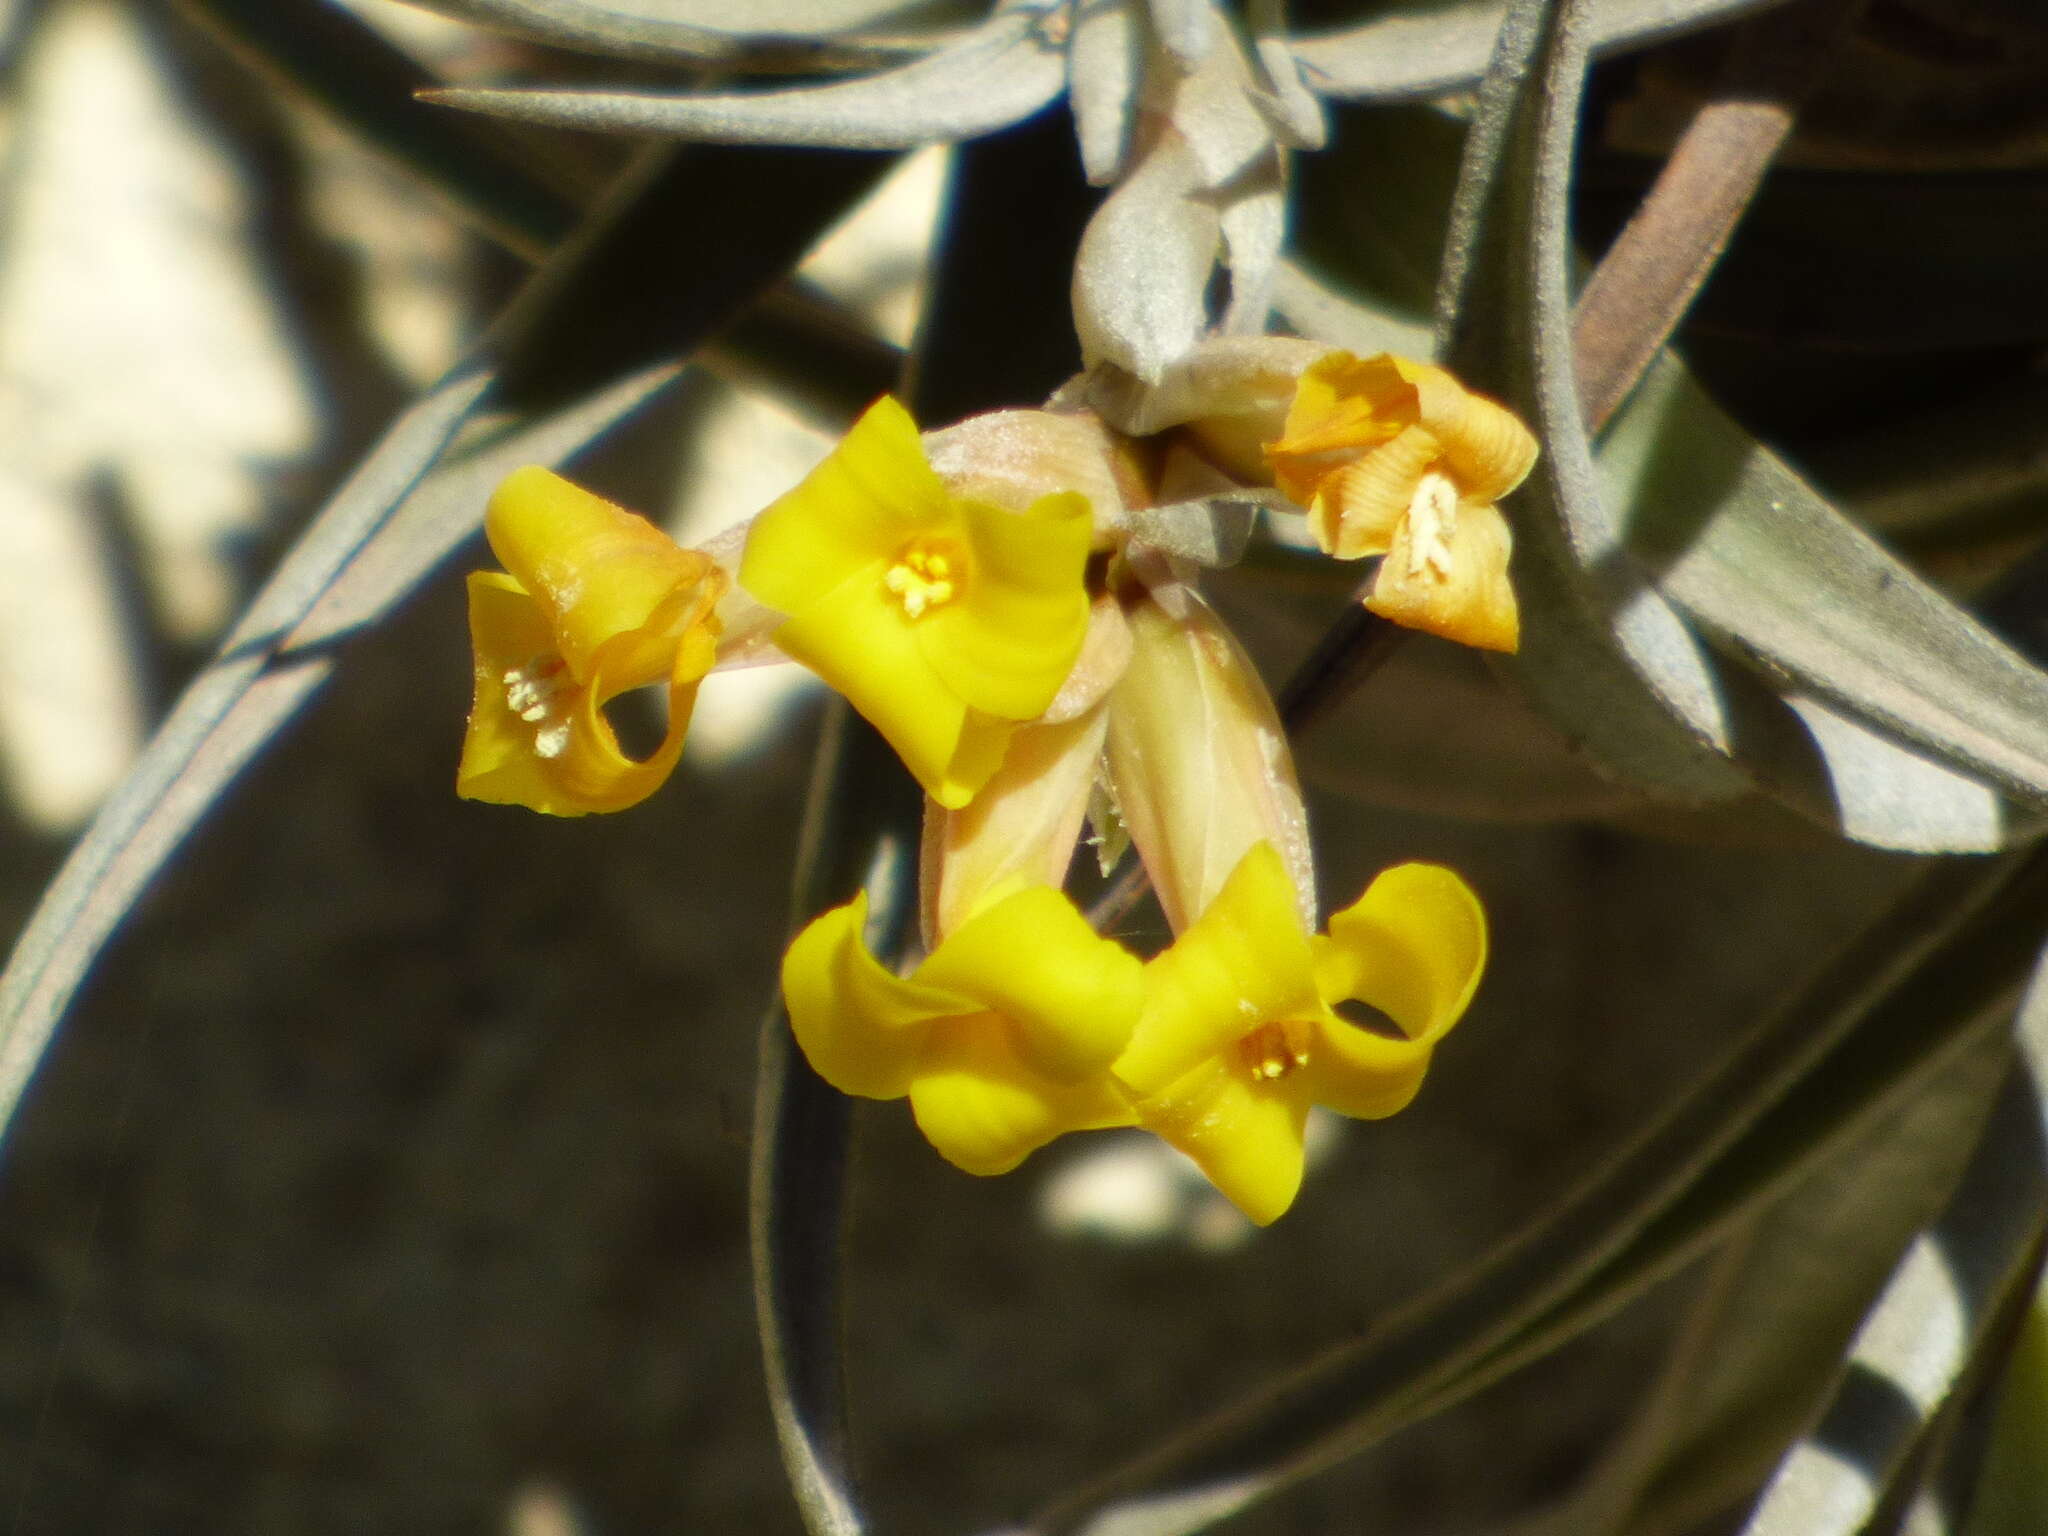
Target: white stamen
1432,524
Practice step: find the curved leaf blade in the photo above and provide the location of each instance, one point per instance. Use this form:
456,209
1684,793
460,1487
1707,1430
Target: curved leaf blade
1403,56
813,34
1000,75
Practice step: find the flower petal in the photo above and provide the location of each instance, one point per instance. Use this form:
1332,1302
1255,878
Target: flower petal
1243,962
1458,585
1070,996
1413,946
861,1028
856,510
984,1108
1246,1136
601,575
857,639
1009,639
1488,449
1358,510
540,739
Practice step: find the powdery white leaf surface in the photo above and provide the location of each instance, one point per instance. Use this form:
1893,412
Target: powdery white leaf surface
138,346
1000,74
1105,60
1408,54
1142,274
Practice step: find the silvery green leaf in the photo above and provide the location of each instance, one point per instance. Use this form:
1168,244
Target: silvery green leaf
1141,276
1315,309
1602,652
1752,552
1608,652
1794,1284
1184,28
860,833
1941,1306
1254,226
1291,108
1211,531
1105,65
1762,1343
1003,72
1891,796
1212,106
784,33
1444,48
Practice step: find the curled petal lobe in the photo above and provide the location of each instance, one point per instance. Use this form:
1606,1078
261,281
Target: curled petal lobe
852,639
985,1109
1070,995
538,735
604,578
1000,1039
1358,509
862,1029
1413,946
1245,1023
1398,459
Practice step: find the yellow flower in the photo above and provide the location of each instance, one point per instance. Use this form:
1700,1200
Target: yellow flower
1000,1038
597,602
1243,1026
942,619
1398,459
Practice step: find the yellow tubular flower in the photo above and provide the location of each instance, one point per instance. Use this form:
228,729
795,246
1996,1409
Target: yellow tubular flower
1398,459
1000,1038
1243,1030
597,602
942,619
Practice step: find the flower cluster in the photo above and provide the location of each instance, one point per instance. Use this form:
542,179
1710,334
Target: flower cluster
1008,601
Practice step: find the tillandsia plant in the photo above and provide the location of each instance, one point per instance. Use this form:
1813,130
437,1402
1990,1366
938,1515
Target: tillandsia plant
1700,793
1005,607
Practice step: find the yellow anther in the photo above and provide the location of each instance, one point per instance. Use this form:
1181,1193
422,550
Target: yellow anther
921,579
1270,1052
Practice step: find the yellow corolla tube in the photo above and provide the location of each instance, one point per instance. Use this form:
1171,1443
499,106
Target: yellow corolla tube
593,602
1001,1039
1398,459
1243,1028
943,619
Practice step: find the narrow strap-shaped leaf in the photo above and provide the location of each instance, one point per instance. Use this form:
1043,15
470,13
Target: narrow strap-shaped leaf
1004,72
813,36
1941,1306
1608,647
860,832
1408,55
